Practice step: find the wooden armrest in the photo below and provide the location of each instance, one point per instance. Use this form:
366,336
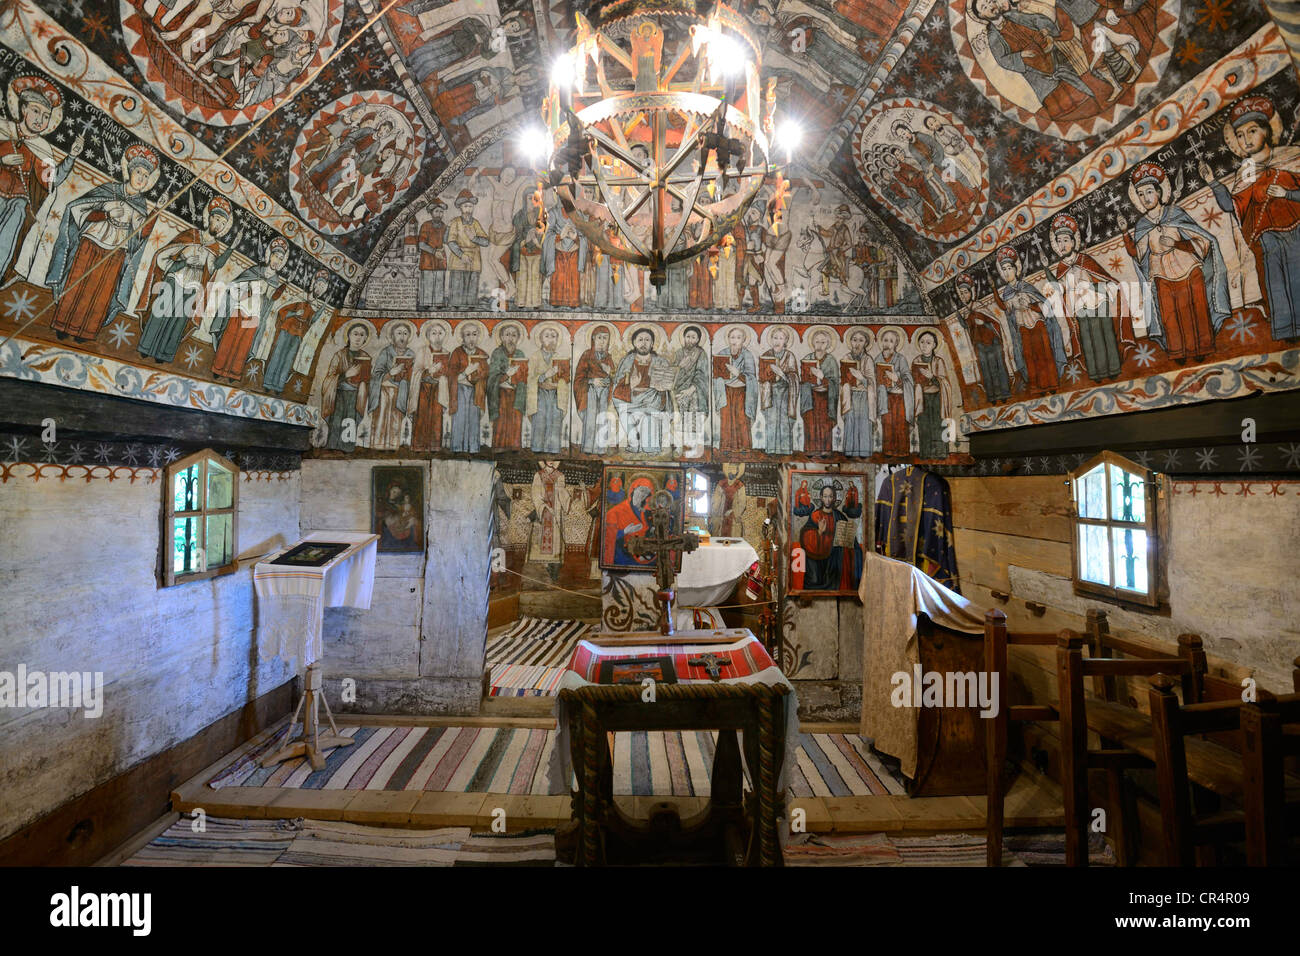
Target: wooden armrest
1211,717
1031,638
1133,649
1113,667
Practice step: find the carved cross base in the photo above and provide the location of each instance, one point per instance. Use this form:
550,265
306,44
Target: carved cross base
665,598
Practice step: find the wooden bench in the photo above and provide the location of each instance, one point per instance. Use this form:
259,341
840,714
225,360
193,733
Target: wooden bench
1118,726
996,640
1102,644
1251,774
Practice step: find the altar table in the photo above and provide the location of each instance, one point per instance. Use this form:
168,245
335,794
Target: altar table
749,695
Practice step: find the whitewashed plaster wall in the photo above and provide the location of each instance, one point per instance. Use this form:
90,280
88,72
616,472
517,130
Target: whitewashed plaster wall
1234,577
78,591
419,648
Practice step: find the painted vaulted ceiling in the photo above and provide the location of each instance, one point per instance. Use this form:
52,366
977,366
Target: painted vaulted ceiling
940,139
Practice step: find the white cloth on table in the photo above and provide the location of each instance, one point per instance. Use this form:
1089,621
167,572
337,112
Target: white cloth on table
710,572
893,593
291,600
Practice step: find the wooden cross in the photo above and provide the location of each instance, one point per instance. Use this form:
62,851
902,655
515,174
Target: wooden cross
710,662
663,544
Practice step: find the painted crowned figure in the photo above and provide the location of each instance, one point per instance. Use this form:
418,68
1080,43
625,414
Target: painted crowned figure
991,351
1042,347
101,238
243,324
1264,195
1089,296
29,170
1184,280
178,282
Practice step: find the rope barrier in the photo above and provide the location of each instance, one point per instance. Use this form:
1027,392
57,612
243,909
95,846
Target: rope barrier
597,597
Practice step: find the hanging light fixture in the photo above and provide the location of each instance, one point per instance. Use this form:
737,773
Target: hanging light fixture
658,130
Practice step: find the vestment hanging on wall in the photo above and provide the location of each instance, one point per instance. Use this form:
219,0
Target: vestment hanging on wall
914,523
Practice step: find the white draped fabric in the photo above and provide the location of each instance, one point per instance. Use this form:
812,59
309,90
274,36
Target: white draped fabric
291,600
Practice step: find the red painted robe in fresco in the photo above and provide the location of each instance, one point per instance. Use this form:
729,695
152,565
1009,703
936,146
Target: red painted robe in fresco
426,431
565,282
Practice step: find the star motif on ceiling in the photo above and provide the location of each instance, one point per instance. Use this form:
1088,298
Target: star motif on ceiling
1249,458
21,305
1216,14
103,452
120,334
1291,454
1171,459
1241,328
76,453
1205,459
132,453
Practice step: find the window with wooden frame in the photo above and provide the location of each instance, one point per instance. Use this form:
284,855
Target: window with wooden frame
1115,543
200,518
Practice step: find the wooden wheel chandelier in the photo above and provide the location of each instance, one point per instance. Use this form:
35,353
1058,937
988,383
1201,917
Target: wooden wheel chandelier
658,130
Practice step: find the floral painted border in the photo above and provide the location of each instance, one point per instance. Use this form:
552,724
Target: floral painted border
1248,375
51,365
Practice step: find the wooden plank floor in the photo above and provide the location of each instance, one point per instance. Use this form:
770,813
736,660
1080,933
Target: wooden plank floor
1030,803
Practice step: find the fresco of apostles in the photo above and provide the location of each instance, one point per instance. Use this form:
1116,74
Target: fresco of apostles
924,166
459,54
694,391
228,61
354,157
1067,67
479,244
1195,272
94,264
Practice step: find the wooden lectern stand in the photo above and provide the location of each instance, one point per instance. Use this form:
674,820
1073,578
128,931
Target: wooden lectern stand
310,743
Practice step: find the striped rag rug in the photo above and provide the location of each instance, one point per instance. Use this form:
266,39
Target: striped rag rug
225,842
516,760
528,658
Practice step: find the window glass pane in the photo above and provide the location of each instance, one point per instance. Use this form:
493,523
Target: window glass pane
1094,565
187,558
220,541
186,490
1090,494
1130,559
698,503
220,486
1127,495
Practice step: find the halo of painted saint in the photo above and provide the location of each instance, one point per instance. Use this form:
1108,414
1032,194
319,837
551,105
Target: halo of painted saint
227,62
354,158
924,165
1069,68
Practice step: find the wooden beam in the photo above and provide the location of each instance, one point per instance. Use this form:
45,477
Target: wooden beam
89,415
1276,415
88,827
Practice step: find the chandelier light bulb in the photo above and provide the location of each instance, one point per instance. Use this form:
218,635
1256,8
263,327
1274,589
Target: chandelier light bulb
536,144
788,136
726,57
562,73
